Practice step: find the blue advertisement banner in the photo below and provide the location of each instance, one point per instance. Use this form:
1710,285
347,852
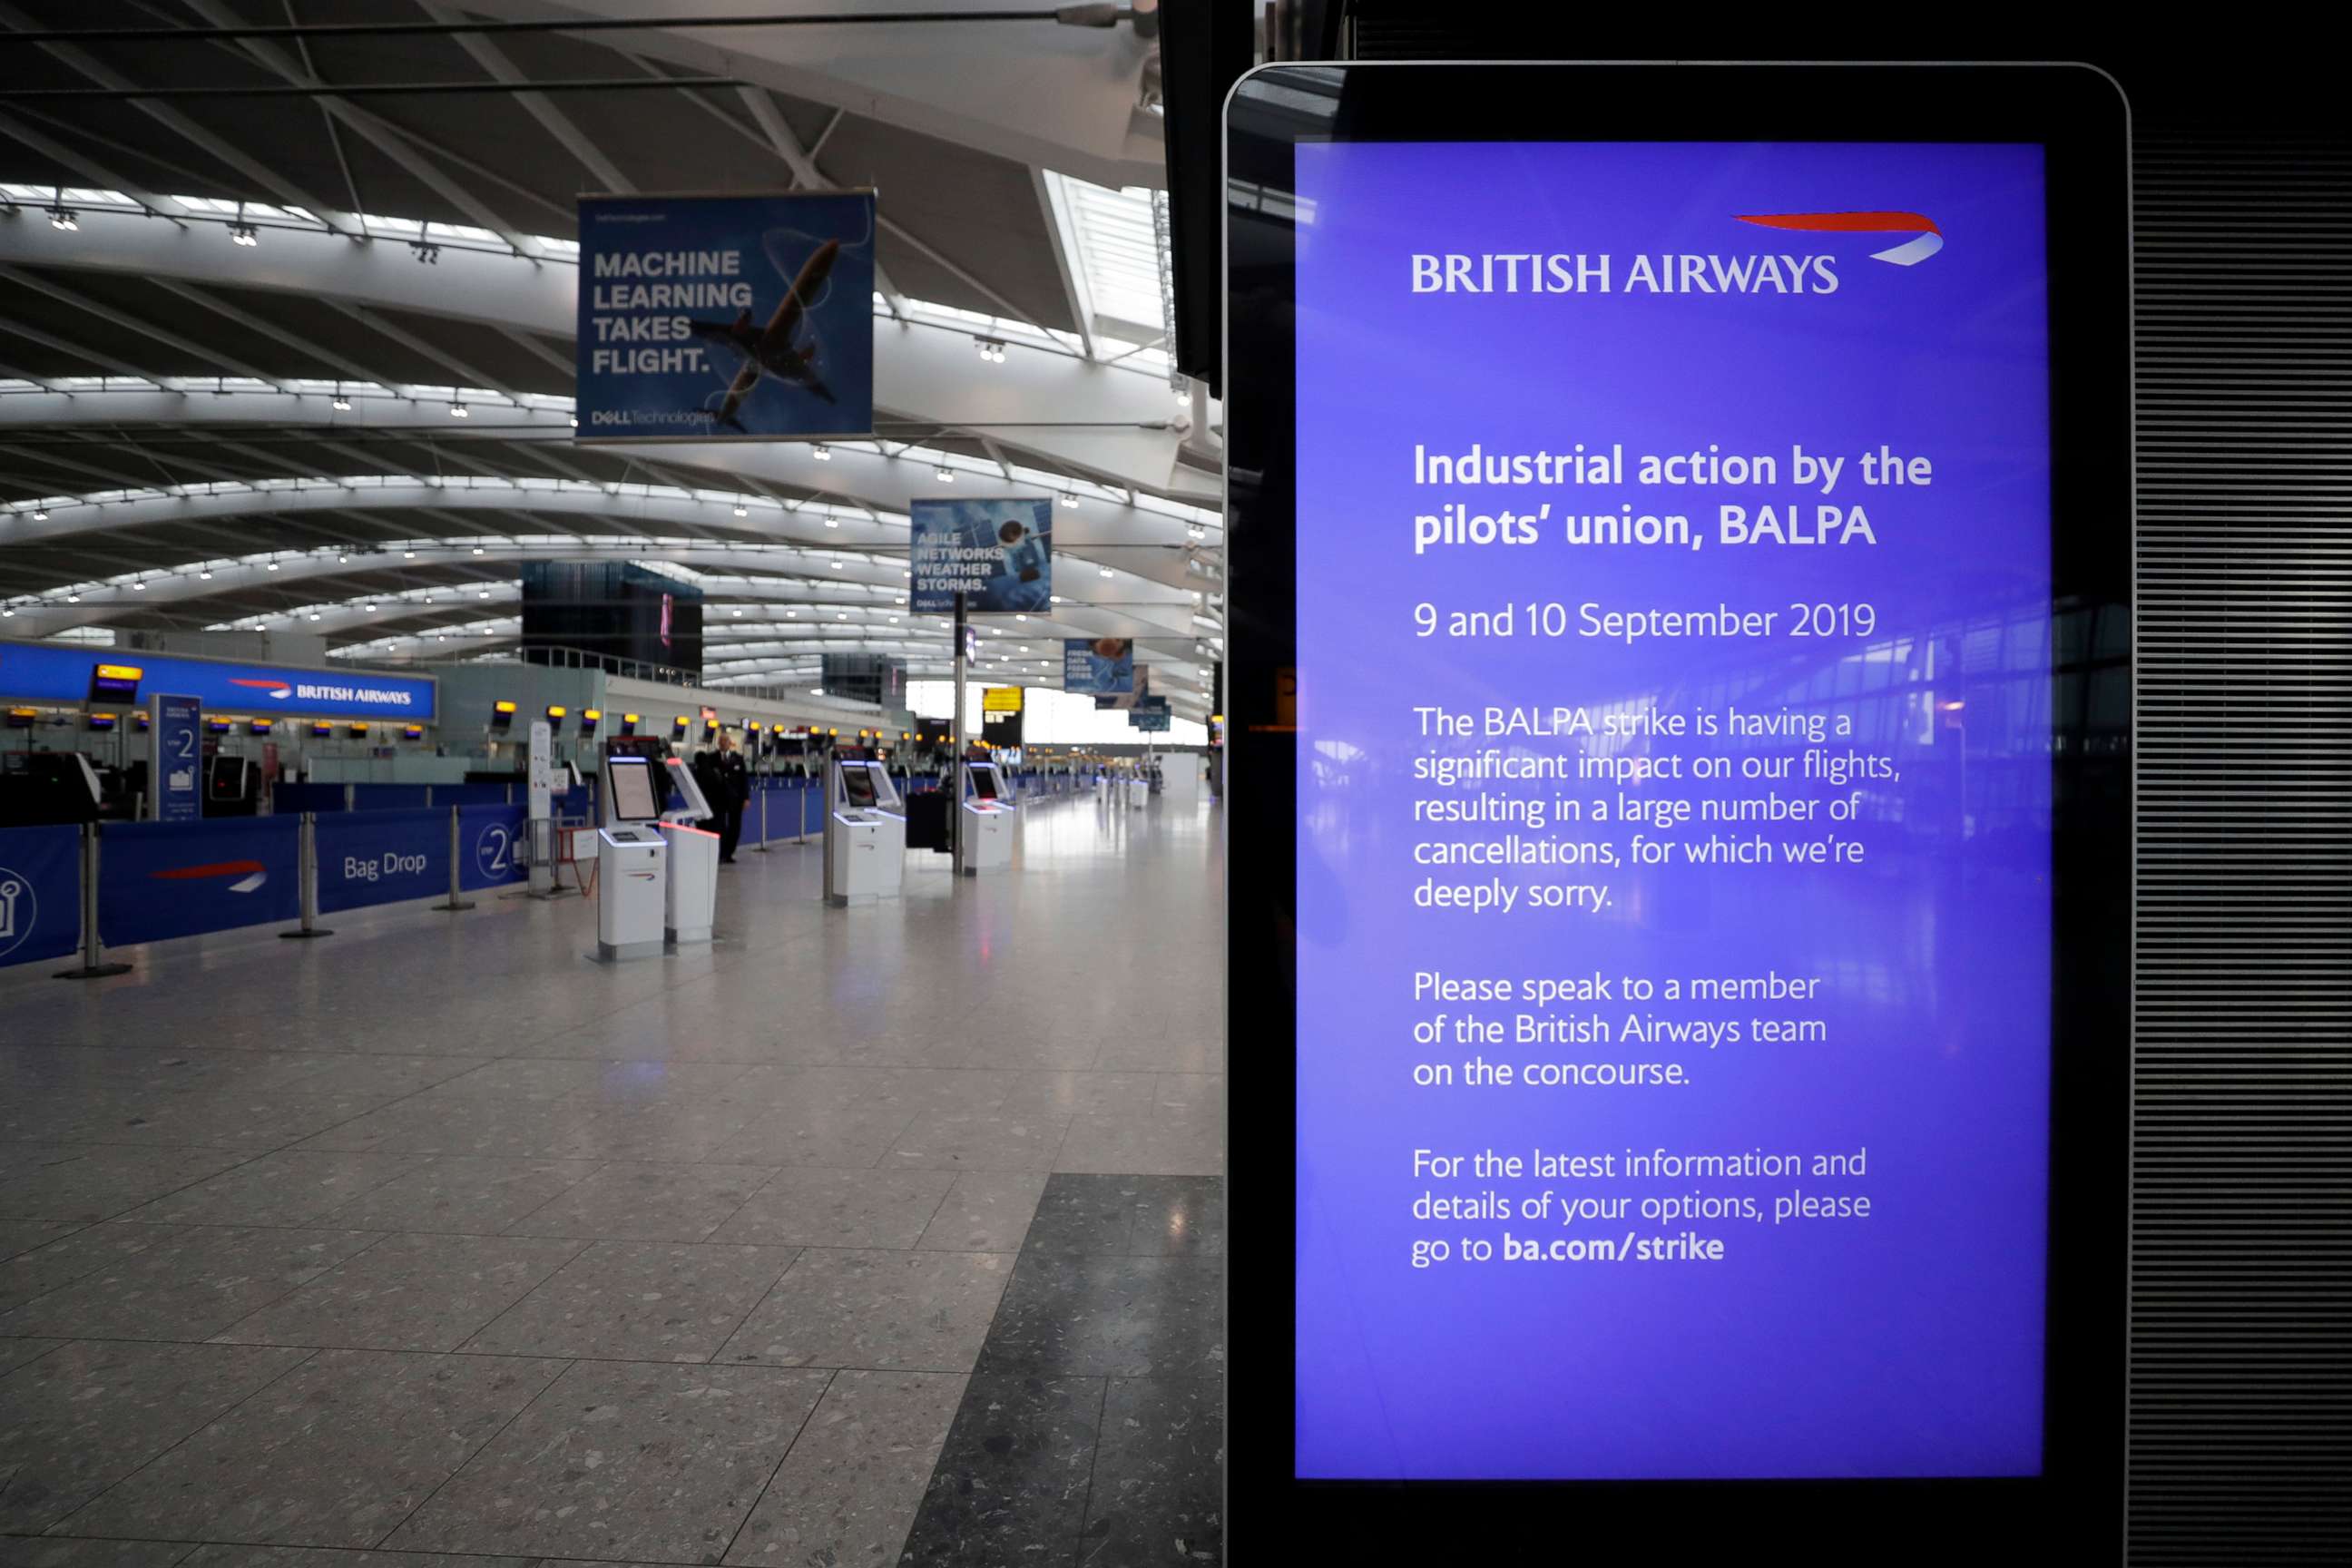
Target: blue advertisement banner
63,672
492,846
40,911
999,554
175,771
381,858
707,318
162,879
1103,666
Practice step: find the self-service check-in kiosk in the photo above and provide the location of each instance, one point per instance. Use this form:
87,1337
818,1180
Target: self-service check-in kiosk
984,836
691,898
1139,789
632,861
864,830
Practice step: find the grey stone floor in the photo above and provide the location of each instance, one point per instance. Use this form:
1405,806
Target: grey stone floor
434,1243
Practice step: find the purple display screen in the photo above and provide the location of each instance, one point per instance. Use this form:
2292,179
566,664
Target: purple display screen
1673,923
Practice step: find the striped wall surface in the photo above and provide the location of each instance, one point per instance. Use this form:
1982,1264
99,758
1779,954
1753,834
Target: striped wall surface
2241,1444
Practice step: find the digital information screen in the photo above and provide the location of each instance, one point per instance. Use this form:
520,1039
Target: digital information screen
984,783
632,790
856,785
1674,810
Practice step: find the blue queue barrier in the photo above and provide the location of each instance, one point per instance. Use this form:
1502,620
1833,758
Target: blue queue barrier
288,798
40,892
381,856
162,879
492,846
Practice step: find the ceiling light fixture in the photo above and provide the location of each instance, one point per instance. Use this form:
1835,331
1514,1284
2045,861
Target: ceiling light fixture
820,452
242,233
1069,498
458,411
40,514
740,511
62,218
946,476
340,405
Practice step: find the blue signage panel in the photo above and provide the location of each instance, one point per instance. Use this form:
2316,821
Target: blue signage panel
492,846
1100,665
381,858
40,913
999,554
62,672
714,318
175,768
161,879
1156,719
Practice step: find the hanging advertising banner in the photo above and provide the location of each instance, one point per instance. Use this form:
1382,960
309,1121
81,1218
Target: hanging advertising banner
76,673
176,760
998,554
708,318
1137,691
1103,666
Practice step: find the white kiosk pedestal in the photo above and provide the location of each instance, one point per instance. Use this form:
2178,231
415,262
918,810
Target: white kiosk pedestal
865,831
692,900
984,836
1139,792
692,896
631,863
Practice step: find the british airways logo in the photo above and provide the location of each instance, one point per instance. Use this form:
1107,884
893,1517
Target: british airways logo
1682,272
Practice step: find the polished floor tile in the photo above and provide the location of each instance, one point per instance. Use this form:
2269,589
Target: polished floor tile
849,1489
808,1206
924,1312
336,1453
79,1419
666,1263
646,1201
407,1294
639,1300
1011,1481
624,1460
1157,1495
183,1282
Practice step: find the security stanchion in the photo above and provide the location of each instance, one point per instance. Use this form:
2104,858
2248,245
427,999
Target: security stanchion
306,861
764,819
92,968
457,902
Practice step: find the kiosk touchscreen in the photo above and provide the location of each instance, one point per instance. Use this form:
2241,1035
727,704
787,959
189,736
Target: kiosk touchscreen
632,862
691,901
986,840
864,830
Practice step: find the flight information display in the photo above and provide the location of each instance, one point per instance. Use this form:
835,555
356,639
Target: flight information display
1674,810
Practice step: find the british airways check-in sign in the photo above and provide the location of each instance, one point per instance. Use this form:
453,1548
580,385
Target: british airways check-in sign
62,672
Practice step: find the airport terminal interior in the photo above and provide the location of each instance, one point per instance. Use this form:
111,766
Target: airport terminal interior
617,700
604,1026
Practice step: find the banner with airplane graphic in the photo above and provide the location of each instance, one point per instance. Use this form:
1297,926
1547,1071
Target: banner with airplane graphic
708,318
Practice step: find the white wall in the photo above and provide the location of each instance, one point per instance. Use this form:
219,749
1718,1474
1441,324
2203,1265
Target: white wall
1052,718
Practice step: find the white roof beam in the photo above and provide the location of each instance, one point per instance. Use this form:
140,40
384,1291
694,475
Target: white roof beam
804,164
88,66
89,168
270,329
387,140
1113,424
108,314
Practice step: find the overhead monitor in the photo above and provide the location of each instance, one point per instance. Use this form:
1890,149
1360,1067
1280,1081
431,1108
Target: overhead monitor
631,781
1679,615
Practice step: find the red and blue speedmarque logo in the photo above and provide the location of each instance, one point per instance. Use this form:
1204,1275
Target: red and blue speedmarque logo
1927,240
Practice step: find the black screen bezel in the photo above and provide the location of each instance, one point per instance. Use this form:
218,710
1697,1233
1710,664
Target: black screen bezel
2079,116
